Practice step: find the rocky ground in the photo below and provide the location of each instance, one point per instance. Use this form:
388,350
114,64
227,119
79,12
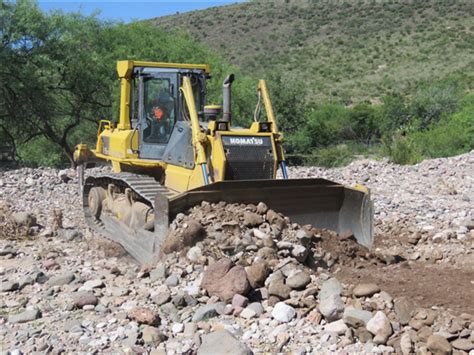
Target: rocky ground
238,279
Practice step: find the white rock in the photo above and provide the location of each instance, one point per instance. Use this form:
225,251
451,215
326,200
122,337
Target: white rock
177,328
248,313
283,312
338,327
194,254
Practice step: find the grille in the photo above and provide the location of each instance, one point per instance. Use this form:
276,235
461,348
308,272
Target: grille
248,158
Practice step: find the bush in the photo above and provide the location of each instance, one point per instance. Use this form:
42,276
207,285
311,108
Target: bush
431,103
451,136
331,157
364,122
41,152
402,150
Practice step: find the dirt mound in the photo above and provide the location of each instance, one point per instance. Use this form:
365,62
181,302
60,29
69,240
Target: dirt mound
248,232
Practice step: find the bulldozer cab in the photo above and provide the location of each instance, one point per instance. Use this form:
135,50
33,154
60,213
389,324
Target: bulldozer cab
159,110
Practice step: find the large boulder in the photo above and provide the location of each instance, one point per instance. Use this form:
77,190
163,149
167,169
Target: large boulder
222,342
330,302
224,280
257,273
438,345
182,238
380,326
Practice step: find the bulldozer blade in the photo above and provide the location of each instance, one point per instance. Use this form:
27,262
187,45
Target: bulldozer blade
319,202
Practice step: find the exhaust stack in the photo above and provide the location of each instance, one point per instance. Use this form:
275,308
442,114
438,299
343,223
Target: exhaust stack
227,116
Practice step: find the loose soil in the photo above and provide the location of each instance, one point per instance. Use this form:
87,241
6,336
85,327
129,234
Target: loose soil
426,284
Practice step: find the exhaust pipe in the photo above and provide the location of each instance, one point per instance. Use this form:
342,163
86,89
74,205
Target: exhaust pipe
227,117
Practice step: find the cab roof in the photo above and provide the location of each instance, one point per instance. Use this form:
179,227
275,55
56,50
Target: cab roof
125,67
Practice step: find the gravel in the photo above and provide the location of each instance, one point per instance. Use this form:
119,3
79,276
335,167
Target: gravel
65,289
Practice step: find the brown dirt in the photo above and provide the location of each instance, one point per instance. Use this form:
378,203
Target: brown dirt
427,285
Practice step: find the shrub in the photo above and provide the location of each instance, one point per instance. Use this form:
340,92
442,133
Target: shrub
331,157
432,102
451,136
402,150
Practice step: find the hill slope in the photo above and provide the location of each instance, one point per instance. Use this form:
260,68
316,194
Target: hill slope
348,51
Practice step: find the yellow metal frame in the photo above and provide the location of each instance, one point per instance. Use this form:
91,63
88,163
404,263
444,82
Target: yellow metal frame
123,142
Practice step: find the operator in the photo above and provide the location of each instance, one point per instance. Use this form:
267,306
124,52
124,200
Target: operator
162,117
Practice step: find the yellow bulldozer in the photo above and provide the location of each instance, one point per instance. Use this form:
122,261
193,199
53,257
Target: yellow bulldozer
170,151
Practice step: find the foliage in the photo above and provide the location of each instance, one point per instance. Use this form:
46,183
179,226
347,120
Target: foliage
402,150
453,135
431,103
334,97
348,51
58,75
330,157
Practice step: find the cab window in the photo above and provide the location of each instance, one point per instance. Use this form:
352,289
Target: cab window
159,110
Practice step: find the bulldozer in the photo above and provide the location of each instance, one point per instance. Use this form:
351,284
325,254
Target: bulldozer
170,151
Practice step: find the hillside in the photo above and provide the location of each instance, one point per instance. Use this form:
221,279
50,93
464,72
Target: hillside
342,50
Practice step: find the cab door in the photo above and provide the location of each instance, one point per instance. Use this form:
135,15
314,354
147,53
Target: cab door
158,113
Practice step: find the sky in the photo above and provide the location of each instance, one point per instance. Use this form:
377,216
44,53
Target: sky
128,10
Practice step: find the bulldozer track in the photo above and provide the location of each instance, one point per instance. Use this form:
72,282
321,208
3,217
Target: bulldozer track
145,189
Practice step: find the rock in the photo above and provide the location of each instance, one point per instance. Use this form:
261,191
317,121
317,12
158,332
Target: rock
152,335
159,273
224,280
161,298
406,344
438,345
252,219
463,344
356,317
69,234
8,286
247,313
257,273
314,317
25,316
205,312
403,308
239,301
8,250
177,241
91,284
25,281
194,254
177,328
338,327
278,288
24,219
60,280
365,290
143,315
283,312
423,334
256,307
331,307
84,298
330,287
300,253
262,208
274,218
363,335
380,326
172,281
222,342
299,280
